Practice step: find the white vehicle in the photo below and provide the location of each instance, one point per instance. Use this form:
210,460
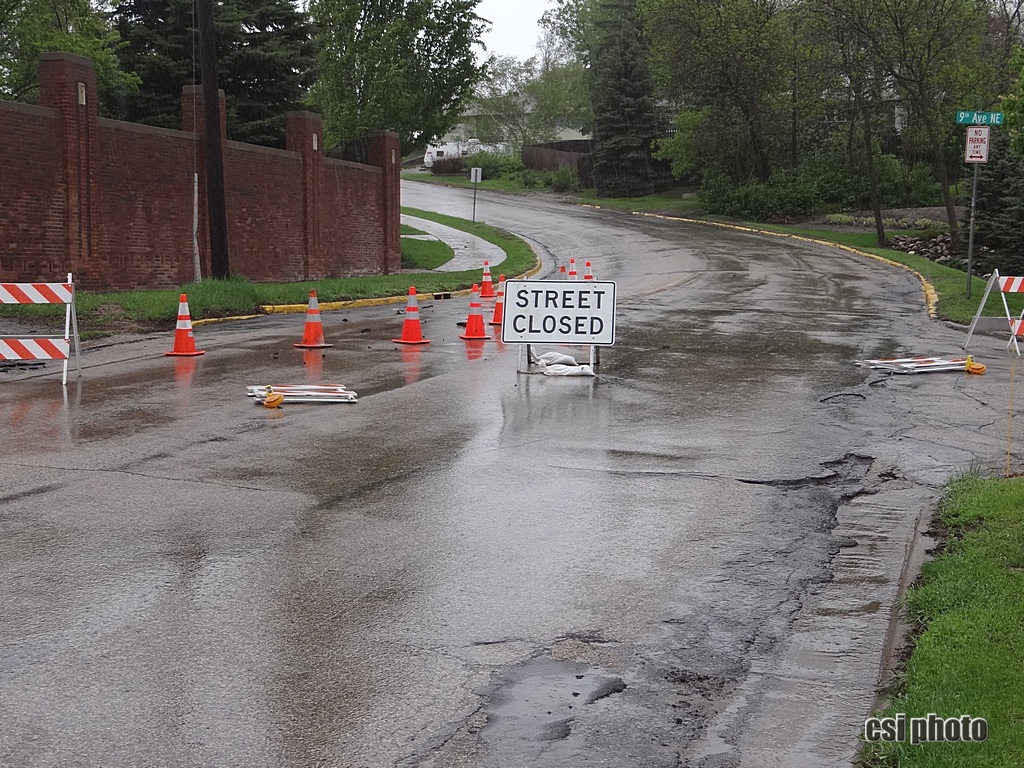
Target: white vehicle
459,149
443,152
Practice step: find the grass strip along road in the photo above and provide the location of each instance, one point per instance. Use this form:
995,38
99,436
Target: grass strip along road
968,657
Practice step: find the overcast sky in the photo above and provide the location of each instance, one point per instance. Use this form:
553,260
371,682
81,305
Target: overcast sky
514,30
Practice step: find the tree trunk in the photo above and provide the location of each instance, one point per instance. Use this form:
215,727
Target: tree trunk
869,158
947,197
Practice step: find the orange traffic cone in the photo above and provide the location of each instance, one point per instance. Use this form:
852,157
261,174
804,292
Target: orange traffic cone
499,304
587,274
572,269
561,272
486,287
184,341
313,333
411,330
475,321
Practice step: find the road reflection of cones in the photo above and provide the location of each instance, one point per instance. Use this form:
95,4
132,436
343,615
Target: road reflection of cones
313,361
501,345
42,423
184,370
412,363
474,349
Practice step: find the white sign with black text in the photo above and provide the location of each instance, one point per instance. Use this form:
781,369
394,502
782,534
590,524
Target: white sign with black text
977,144
559,312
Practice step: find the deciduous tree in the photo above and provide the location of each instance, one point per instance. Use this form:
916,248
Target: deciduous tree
402,65
31,27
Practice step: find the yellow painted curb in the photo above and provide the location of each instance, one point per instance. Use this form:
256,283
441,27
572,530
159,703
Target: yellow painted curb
212,320
930,296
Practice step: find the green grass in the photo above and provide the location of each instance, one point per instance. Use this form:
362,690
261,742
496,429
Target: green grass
157,310
677,202
454,180
407,230
425,254
969,658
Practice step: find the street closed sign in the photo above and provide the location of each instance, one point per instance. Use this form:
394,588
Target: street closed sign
559,312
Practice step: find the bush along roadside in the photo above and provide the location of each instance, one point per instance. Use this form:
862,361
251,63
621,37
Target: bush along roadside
959,698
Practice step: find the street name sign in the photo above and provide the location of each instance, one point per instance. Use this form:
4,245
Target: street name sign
559,312
976,150
970,117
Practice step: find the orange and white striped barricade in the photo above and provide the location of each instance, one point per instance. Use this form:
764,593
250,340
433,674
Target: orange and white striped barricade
304,393
1006,285
43,347
917,364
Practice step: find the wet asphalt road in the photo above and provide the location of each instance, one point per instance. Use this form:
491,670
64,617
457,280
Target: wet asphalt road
689,561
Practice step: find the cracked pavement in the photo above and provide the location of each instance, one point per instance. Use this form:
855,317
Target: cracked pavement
692,560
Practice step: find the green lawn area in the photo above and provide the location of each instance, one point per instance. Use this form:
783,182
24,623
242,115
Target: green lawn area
969,657
99,313
425,254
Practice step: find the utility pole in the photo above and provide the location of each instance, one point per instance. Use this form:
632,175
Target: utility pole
215,198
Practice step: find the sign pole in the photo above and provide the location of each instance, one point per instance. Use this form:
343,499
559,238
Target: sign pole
976,152
476,175
970,236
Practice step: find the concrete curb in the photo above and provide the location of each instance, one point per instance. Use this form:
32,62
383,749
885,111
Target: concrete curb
931,298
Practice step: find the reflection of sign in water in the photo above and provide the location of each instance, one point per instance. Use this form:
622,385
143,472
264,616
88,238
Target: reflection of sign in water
977,144
559,311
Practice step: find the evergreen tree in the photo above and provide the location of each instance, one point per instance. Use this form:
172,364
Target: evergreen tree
999,209
621,89
265,62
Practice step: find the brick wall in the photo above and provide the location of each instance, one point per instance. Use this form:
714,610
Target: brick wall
112,202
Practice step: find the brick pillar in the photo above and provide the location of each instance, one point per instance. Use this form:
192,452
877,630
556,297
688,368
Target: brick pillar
193,119
384,151
67,83
304,134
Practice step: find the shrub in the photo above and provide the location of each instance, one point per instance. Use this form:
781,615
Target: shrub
448,166
494,165
565,179
531,179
